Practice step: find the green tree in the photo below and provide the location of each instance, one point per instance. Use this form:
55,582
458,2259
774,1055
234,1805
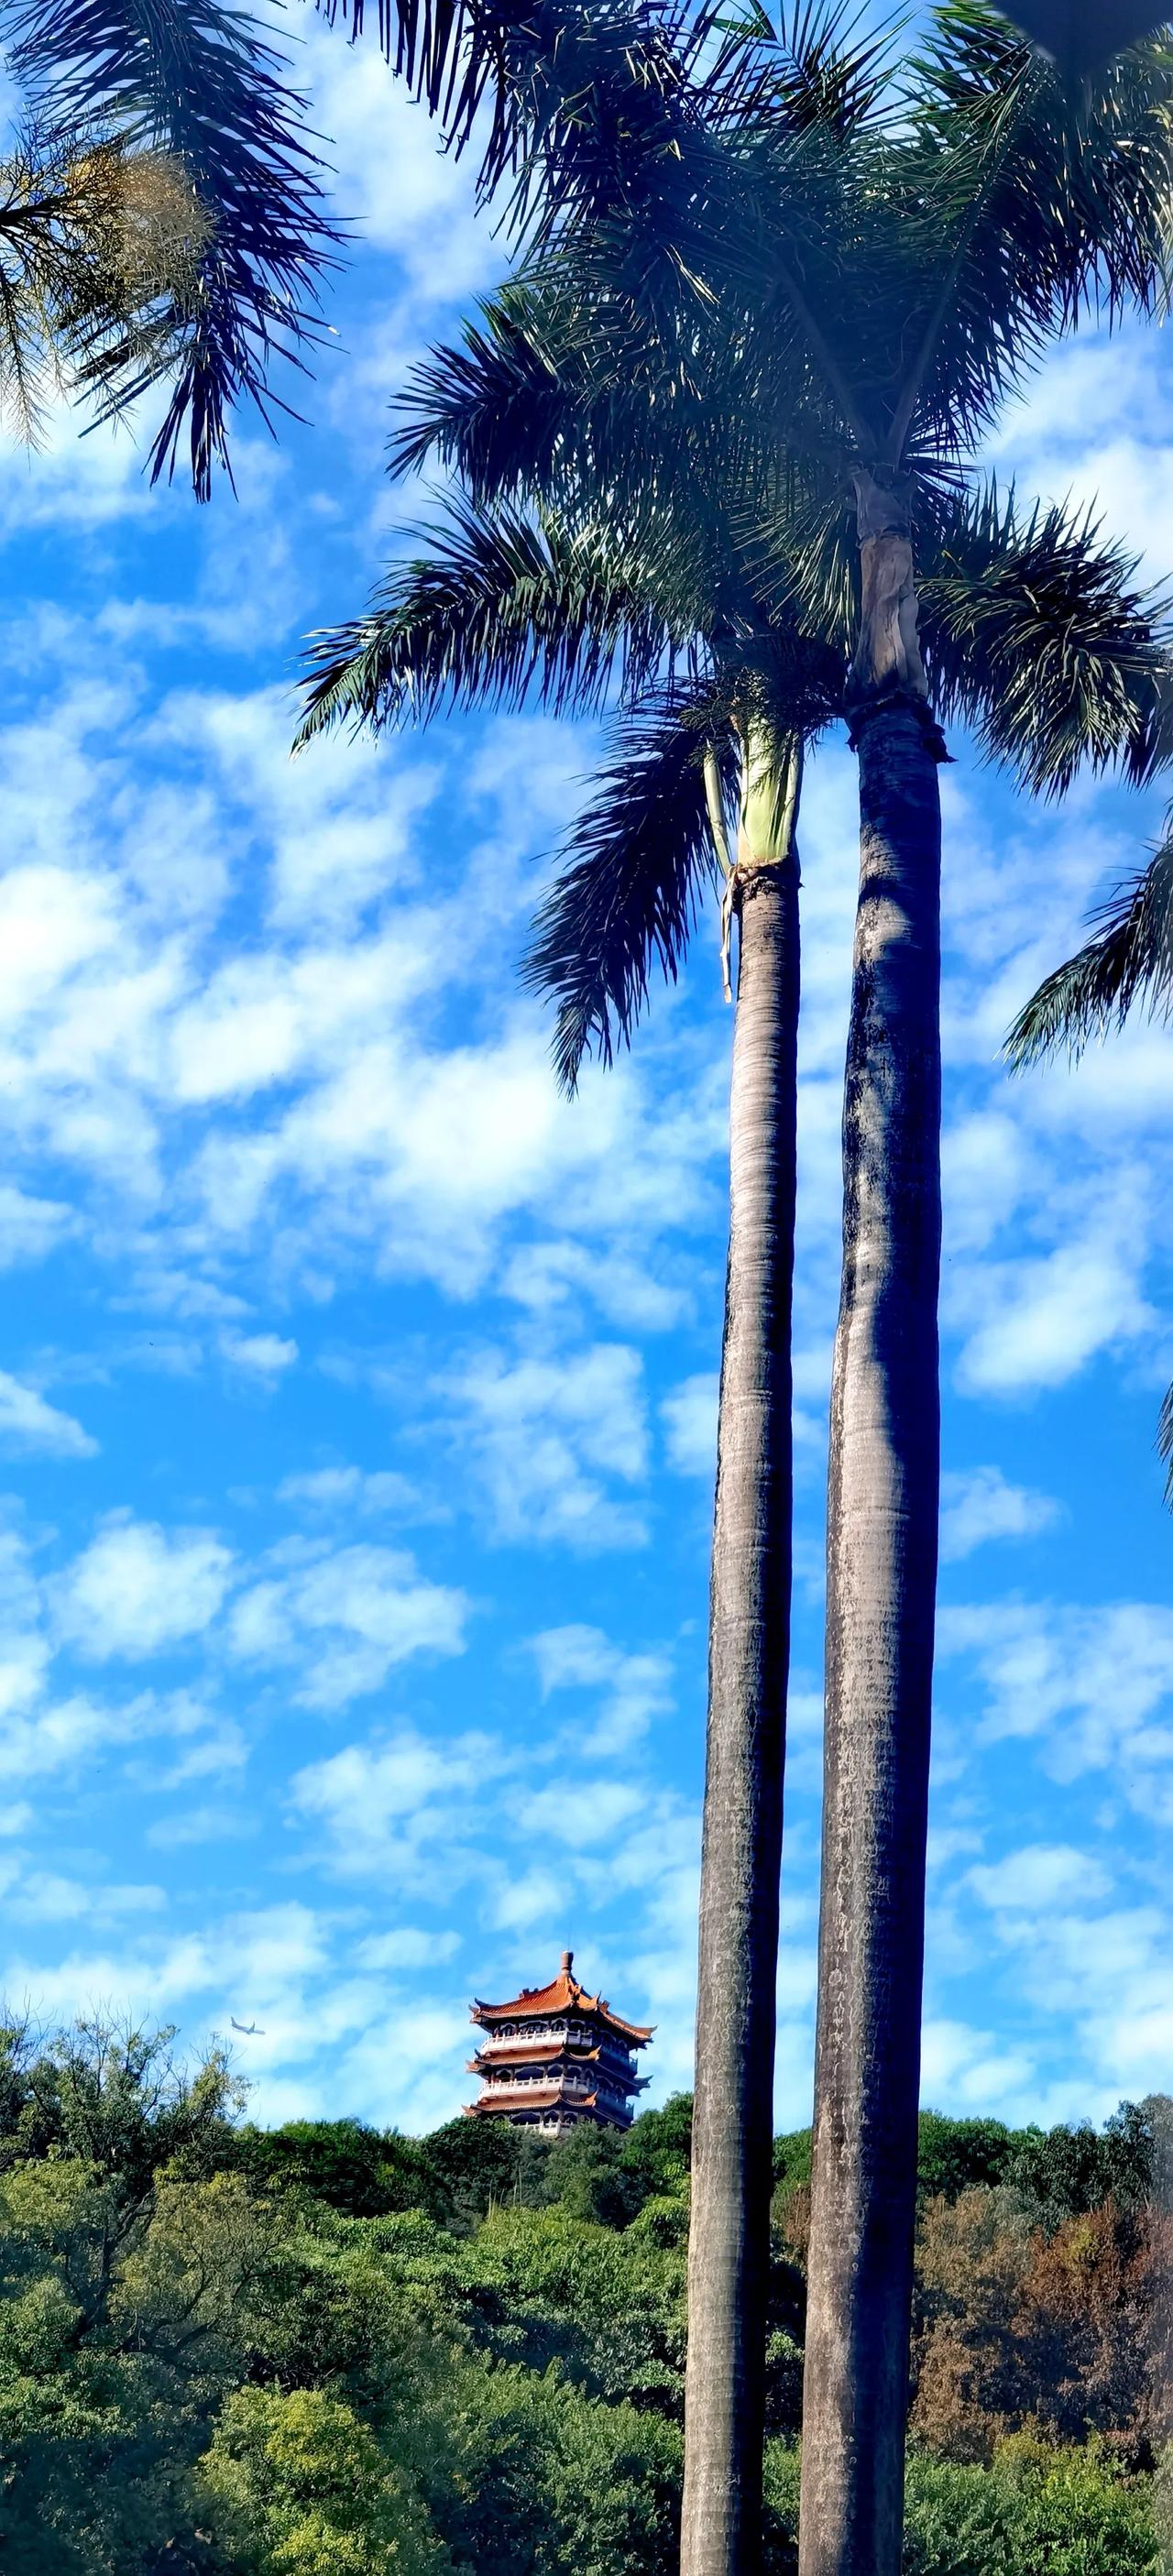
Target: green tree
300,2486
112,2095
954,2155
1072,2514
361,2171
124,2262
1071,2169
118,2339
161,216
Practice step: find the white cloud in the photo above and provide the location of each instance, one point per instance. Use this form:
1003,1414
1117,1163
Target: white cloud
265,1355
405,195
637,1687
45,1896
1047,1317
72,481
30,1227
333,1490
407,1949
549,1276
531,1897
380,1804
581,1811
1086,1685
27,1422
44,1738
965,2068
689,1416
1038,1877
549,1436
210,1823
980,1505
345,1618
138,1590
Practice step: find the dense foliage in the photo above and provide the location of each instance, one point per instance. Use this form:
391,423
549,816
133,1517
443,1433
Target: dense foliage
323,2350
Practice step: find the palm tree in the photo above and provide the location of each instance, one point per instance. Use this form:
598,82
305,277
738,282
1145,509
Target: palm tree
717,701
963,239
1127,960
502,607
1027,212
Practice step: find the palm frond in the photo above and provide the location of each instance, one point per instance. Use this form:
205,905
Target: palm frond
499,609
494,409
1042,210
194,78
1130,958
1034,632
560,94
640,860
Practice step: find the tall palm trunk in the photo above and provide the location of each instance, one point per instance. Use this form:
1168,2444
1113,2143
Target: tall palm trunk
749,1642
881,1573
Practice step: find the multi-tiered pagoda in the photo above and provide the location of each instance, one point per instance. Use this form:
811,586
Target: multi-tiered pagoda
556,2056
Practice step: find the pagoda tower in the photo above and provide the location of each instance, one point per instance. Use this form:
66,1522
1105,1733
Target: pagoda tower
556,2056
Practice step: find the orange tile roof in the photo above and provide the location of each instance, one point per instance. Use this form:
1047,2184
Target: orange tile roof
542,2096
563,1994
528,2049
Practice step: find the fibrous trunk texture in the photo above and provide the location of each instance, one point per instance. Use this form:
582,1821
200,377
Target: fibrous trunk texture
887,654
881,1577
729,2236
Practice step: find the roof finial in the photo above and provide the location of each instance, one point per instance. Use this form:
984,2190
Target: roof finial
567,1961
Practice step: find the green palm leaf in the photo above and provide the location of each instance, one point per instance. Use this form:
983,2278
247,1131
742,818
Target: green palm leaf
1129,959
557,91
641,859
501,608
1034,632
1039,211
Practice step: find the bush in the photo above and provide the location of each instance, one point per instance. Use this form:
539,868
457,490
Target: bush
957,2521
1071,2513
1037,2512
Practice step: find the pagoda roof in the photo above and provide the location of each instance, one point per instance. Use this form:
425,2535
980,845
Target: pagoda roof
528,2049
543,2097
563,1994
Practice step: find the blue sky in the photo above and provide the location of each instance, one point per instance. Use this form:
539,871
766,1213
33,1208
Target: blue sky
357,1403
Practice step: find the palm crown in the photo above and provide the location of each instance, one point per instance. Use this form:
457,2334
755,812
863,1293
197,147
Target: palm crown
690,557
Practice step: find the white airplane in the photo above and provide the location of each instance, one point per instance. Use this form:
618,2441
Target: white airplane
247,2029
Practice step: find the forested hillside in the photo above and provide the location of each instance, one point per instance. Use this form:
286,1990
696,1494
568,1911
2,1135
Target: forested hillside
323,2351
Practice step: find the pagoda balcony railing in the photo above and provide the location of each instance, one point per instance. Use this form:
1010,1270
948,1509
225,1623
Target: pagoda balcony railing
592,2078
558,2034
497,2084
